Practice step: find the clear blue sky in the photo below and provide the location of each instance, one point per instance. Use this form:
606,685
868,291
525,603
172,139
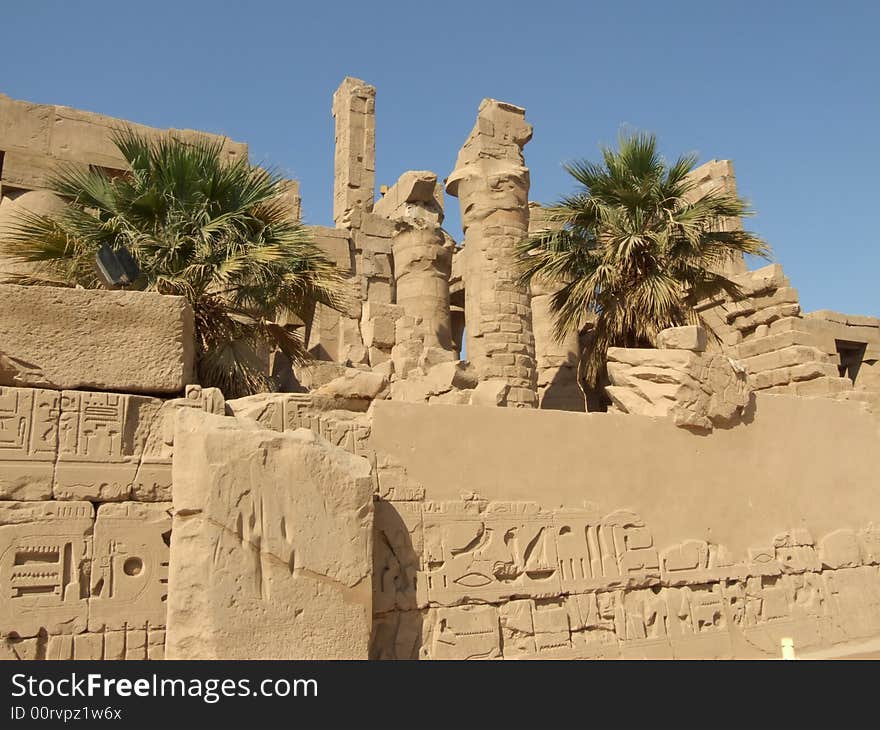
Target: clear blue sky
789,91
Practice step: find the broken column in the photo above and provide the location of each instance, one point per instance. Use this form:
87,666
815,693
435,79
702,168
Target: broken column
272,545
354,108
422,267
556,361
717,176
491,182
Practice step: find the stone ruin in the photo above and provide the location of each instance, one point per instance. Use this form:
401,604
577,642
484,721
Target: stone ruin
419,490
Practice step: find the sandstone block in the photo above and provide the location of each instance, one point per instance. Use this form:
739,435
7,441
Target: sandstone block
490,393
691,338
355,388
45,551
451,375
701,391
129,576
272,549
104,340
335,243
24,125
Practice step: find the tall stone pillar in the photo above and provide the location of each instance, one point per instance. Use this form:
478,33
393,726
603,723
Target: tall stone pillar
422,267
354,108
491,182
718,176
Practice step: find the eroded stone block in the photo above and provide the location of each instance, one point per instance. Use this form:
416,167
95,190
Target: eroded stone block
45,554
125,341
272,554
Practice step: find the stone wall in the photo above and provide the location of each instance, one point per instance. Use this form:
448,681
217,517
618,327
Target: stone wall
271,545
627,537
85,521
785,351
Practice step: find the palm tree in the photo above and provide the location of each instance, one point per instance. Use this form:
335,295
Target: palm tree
214,231
633,250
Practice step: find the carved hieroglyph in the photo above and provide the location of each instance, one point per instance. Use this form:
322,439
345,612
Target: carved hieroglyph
28,442
272,545
491,182
66,572
476,579
129,572
45,555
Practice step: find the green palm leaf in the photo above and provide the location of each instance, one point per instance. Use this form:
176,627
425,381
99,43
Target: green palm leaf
199,226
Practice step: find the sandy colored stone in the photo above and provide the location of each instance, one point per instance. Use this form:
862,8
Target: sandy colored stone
354,109
491,181
129,572
490,393
106,340
555,360
697,390
271,556
691,337
355,388
45,554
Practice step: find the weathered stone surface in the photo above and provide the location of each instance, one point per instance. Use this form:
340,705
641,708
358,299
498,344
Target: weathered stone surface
691,338
696,390
85,445
490,393
354,108
491,182
555,360
129,572
106,340
271,556
45,553
718,177
355,389
442,378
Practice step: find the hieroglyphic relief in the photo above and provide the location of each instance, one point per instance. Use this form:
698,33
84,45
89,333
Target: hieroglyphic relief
28,442
289,411
129,577
127,644
45,551
80,445
95,446
509,580
479,551
76,586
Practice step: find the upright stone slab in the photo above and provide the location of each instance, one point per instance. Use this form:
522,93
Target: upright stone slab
124,341
354,108
491,182
271,555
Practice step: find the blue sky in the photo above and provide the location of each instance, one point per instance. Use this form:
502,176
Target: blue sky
789,91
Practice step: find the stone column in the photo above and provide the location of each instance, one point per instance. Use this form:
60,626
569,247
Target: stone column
422,257
556,362
354,108
491,182
718,176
